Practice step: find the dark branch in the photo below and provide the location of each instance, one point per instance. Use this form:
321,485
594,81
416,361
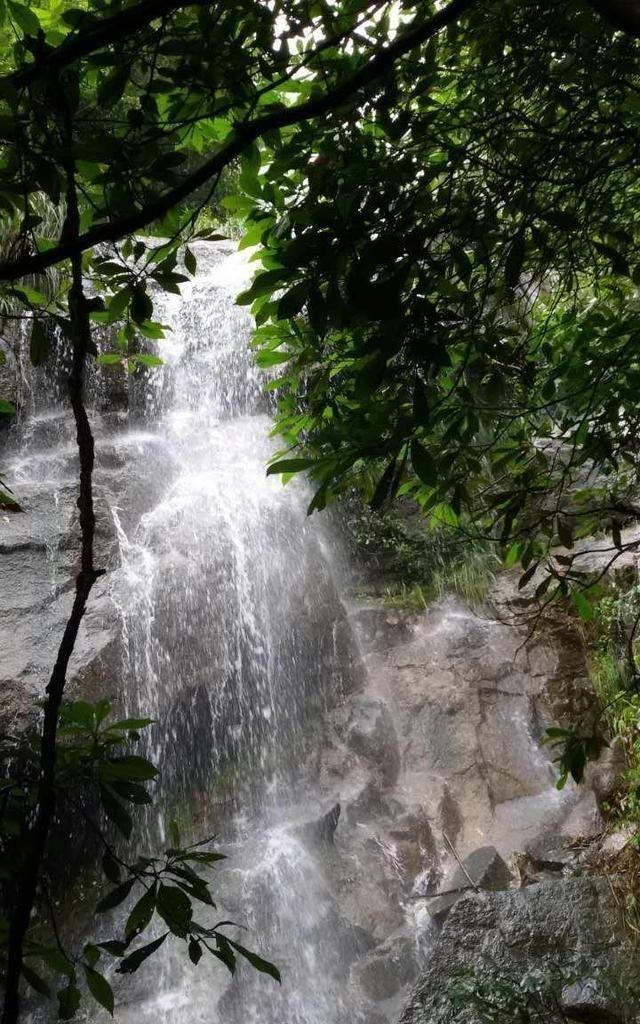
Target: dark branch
244,136
96,36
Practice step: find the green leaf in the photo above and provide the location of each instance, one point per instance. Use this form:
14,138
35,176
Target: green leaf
24,17
292,301
289,466
141,304
263,284
195,951
111,868
114,947
174,907
125,724
68,1001
270,357
384,485
128,768
256,961
131,963
423,464
515,261
190,261
57,961
112,86
99,988
36,982
513,555
582,606
225,953
115,897
174,833
91,954
528,575
565,533
116,812
110,359
141,914
6,408
146,359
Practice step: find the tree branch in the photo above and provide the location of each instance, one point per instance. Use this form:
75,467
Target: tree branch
96,37
243,136
36,840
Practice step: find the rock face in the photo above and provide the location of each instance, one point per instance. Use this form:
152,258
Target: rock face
564,934
482,869
436,758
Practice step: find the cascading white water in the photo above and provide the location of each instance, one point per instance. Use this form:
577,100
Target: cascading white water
229,616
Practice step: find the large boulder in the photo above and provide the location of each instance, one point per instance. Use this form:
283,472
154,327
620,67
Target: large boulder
482,869
556,932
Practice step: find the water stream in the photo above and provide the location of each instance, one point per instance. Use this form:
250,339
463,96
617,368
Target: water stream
229,614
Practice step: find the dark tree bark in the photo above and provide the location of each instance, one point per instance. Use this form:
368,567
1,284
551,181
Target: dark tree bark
36,841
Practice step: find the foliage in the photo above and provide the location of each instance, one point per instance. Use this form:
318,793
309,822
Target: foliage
406,564
573,752
95,764
464,318
445,200
119,117
469,576
499,996
613,671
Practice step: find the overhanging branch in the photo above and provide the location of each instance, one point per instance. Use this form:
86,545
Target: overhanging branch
95,37
243,136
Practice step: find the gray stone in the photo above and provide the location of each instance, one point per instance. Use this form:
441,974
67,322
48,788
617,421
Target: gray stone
371,734
484,869
587,1001
553,928
603,775
616,842
322,830
383,972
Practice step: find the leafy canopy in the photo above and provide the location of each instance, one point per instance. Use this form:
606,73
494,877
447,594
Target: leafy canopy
449,283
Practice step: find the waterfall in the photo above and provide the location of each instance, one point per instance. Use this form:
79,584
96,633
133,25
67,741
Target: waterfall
231,625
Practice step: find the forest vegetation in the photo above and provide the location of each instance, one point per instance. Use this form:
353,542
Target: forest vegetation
442,199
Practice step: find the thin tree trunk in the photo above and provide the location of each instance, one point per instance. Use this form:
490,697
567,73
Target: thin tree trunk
36,843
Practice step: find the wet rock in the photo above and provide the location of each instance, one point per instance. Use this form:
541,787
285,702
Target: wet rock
371,734
552,928
9,374
603,775
587,1001
550,854
322,830
383,972
484,869
328,825
381,628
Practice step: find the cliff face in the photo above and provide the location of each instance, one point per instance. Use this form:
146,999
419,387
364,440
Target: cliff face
434,755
